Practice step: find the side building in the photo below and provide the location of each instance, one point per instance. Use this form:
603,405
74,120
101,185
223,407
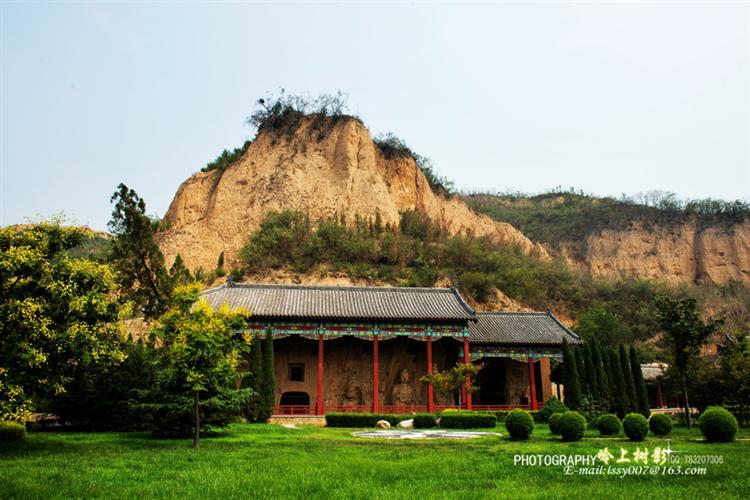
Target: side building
365,348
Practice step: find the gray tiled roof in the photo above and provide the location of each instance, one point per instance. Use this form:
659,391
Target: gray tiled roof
333,302
516,328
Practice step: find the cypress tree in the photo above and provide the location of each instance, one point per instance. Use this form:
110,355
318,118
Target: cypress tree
601,375
632,401
590,371
583,382
621,396
268,385
254,380
571,378
640,384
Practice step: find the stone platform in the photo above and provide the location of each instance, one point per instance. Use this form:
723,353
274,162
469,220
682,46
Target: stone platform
438,434
315,420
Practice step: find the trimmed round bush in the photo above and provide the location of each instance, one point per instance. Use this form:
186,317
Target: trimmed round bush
660,424
718,425
554,423
608,424
11,431
572,425
520,425
635,426
551,406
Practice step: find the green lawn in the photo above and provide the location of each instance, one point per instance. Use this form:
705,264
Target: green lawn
269,461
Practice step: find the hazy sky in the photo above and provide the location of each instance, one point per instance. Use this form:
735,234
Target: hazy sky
608,98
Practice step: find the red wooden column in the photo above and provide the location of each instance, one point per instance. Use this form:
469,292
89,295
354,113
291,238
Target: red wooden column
430,389
532,383
319,408
375,371
467,361
661,398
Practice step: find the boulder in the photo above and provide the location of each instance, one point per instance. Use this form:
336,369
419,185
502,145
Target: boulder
406,424
383,424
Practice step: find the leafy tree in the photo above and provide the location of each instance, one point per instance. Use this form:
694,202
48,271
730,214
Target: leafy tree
686,333
627,373
603,326
138,260
197,366
735,368
640,384
57,314
447,382
268,380
571,378
178,273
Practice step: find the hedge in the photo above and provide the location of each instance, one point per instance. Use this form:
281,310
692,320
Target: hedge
535,414
425,421
660,424
635,426
718,425
467,420
11,431
520,425
362,419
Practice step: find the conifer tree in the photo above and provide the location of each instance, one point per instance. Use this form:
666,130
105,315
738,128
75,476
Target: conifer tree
632,402
601,375
254,380
583,382
620,396
571,378
268,384
640,384
593,383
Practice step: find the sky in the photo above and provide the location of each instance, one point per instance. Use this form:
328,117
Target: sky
608,98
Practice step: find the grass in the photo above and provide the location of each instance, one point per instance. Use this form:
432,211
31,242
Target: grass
266,461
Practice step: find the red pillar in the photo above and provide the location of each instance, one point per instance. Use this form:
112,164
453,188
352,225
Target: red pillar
375,370
467,361
661,398
532,383
319,409
430,389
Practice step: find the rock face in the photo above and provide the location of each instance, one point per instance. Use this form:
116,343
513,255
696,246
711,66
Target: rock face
323,171
682,253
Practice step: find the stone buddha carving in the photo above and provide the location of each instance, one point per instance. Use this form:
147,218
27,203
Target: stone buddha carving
402,393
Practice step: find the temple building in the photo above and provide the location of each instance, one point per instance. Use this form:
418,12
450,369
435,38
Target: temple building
365,348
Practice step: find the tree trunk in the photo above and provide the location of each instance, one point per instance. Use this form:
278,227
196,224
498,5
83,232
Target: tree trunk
687,404
558,392
197,434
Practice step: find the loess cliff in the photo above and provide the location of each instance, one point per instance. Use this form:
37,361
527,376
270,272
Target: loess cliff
323,169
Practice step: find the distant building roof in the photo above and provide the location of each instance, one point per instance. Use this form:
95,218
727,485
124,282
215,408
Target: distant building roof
652,371
336,302
520,328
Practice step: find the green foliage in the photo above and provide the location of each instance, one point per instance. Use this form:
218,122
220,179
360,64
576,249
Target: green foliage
718,425
519,424
467,420
601,375
268,383
197,367
140,267
227,158
687,334
640,384
621,401
424,421
735,369
635,426
571,425
608,425
392,146
554,424
12,431
593,408
360,419
551,406
603,326
283,112
571,378
448,381
57,314
630,392
254,380
660,424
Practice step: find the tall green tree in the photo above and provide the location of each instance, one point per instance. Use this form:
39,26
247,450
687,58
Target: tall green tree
601,374
198,368
735,367
571,378
687,333
620,395
254,379
583,382
57,314
640,384
136,257
603,326
588,361
627,373
268,383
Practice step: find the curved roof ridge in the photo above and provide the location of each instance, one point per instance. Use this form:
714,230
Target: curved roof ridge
302,286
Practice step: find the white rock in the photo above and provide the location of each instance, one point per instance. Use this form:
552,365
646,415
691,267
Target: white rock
383,424
406,424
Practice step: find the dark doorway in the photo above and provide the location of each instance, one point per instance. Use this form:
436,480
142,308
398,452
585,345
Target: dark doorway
295,399
491,382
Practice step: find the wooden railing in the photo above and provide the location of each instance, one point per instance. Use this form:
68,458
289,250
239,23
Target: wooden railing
396,409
